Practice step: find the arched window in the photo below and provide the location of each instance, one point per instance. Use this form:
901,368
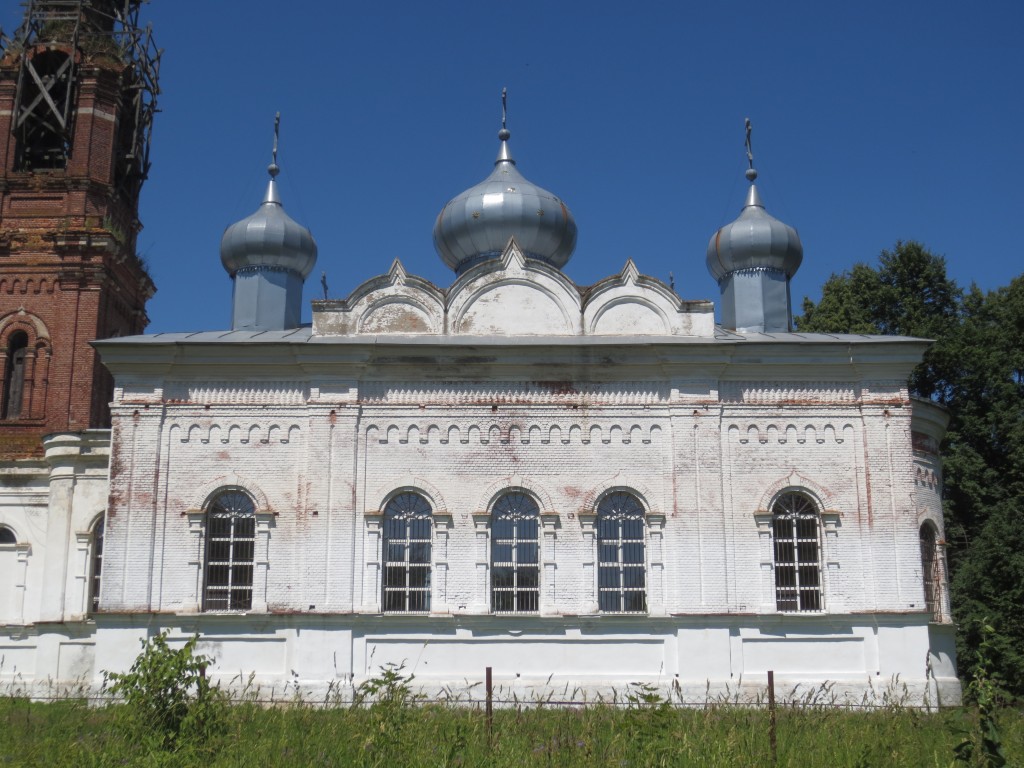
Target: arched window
7,535
14,377
230,550
95,566
931,570
407,519
515,554
621,574
797,559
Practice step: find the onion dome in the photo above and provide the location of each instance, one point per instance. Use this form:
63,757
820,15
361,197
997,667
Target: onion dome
755,240
268,239
477,224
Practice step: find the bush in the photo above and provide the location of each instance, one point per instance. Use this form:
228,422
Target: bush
169,701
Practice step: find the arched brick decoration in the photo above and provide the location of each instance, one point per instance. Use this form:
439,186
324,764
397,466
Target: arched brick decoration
620,482
513,482
797,482
202,498
35,376
412,484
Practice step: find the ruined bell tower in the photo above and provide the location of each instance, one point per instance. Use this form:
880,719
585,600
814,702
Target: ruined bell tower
78,89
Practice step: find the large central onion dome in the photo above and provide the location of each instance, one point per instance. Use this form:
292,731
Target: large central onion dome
476,225
269,238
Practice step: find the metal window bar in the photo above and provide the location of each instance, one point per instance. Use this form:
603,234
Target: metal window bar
515,555
406,582
230,550
97,567
795,534
621,546
931,572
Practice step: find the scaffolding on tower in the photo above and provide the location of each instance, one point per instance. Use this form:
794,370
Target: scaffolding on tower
56,40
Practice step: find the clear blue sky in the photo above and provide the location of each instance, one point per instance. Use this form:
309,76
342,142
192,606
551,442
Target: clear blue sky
873,122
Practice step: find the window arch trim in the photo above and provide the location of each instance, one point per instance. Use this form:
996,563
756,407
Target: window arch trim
827,503
235,482
418,485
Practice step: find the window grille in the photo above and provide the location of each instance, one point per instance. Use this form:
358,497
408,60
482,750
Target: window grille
931,571
230,550
795,533
96,565
407,519
621,573
515,555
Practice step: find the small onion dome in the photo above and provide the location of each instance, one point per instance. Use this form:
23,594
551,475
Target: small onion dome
268,238
477,224
754,241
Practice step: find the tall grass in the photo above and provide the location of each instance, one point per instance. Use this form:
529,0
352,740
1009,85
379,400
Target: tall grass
72,733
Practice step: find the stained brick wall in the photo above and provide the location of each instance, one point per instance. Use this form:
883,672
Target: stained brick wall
68,269
706,468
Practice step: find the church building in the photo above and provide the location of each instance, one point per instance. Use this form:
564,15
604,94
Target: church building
580,487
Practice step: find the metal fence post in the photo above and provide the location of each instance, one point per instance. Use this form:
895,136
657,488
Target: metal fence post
771,716
490,703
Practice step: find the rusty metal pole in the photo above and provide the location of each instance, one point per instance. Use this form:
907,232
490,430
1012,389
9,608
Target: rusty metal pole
771,716
490,703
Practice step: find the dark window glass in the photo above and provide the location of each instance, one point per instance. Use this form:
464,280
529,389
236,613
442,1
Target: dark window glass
621,551
96,566
230,549
407,533
515,554
796,546
14,376
7,536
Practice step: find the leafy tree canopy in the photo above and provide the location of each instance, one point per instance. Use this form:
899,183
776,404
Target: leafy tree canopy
976,369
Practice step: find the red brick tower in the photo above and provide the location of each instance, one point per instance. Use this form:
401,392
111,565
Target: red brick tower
78,86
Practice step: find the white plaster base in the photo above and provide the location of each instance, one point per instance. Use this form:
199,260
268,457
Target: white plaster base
855,659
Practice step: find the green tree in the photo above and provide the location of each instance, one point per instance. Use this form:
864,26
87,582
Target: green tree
976,368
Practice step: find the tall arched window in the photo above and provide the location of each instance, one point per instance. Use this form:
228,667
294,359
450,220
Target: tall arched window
407,519
95,566
7,535
230,550
14,376
931,570
621,574
797,548
515,554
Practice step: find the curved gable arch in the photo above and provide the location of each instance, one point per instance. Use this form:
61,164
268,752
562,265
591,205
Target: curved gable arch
513,295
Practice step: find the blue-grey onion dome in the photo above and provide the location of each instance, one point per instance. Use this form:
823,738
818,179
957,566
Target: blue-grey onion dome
477,224
268,238
755,240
